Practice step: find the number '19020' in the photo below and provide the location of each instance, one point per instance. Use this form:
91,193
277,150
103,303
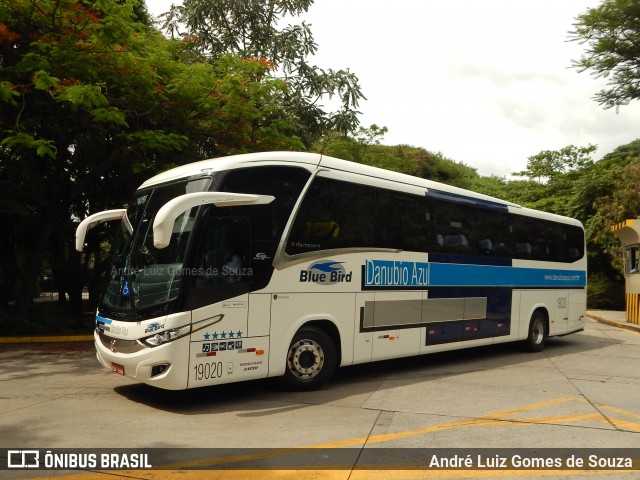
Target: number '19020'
206,371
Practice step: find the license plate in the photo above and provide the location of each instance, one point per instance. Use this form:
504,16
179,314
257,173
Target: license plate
119,369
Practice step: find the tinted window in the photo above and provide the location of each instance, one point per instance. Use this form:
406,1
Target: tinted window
284,183
334,214
403,221
495,236
267,222
543,240
222,267
456,228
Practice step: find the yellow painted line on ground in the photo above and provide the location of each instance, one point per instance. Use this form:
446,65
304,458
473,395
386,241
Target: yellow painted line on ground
491,420
494,419
625,424
535,406
597,417
429,474
618,410
357,474
620,422
47,339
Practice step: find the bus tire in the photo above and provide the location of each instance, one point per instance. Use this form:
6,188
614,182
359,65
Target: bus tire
538,332
311,360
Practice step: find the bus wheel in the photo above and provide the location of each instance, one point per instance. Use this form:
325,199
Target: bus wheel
537,332
311,360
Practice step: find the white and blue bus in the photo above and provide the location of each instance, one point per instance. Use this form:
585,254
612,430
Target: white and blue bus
289,265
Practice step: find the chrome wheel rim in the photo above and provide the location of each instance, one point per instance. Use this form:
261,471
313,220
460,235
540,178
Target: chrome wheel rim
537,331
305,359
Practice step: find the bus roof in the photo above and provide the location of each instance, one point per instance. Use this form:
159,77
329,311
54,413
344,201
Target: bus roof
313,161
233,161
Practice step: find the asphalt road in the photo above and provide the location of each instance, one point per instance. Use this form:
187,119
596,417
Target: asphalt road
580,394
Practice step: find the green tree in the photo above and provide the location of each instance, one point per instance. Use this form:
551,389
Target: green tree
93,100
552,177
354,147
550,166
601,196
253,29
611,33
365,147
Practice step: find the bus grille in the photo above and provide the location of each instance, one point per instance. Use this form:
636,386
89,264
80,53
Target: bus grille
119,345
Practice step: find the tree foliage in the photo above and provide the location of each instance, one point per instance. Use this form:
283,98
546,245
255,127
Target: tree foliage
253,29
93,100
365,147
611,33
552,175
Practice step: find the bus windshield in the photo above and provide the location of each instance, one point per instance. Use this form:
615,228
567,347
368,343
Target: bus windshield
141,275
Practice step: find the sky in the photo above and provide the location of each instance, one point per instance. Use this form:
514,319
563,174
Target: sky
488,84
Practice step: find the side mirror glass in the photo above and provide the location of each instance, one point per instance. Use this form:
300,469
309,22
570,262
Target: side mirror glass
166,217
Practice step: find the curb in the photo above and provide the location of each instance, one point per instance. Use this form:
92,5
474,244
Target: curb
47,339
627,326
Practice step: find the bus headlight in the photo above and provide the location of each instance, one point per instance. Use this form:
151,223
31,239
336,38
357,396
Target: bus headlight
166,336
170,335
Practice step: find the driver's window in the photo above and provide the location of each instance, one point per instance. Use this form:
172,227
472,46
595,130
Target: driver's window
223,267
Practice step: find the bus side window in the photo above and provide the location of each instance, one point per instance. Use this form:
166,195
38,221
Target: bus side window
315,227
222,268
333,214
495,234
456,226
574,242
402,221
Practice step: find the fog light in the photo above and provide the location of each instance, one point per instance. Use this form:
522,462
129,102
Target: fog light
159,369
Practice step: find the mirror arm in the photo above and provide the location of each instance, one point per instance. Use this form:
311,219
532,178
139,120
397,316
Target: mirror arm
170,211
94,220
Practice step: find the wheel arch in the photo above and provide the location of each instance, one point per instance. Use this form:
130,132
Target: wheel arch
330,328
280,346
538,330
312,357
525,321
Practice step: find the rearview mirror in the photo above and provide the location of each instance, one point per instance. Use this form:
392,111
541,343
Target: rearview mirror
166,217
96,219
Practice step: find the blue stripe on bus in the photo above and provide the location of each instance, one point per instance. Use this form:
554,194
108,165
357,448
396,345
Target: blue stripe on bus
102,319
455,275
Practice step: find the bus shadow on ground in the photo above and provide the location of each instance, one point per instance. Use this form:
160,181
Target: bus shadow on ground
265,397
